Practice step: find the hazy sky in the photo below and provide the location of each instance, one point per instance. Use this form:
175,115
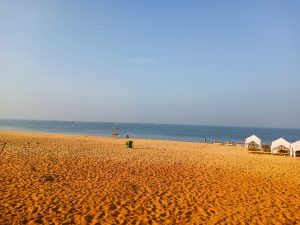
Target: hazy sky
231,63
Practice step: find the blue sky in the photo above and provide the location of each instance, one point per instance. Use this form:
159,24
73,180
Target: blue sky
231,63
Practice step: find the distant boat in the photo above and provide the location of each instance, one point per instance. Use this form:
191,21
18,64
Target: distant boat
115,131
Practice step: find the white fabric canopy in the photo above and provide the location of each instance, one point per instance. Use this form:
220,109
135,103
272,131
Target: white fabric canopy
253,139
295,147
278,143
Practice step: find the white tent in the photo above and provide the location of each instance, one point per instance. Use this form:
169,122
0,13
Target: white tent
277,144
295,147
253,140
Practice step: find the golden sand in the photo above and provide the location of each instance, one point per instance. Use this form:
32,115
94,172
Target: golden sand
71,179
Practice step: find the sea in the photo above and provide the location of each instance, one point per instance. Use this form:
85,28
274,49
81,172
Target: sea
190,133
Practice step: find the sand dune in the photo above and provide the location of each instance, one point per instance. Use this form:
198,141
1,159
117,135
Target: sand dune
71,179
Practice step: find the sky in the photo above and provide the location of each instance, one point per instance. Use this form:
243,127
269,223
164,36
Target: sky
231,63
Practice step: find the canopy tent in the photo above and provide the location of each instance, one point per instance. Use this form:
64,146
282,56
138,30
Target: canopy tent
278,144
253,140
295,148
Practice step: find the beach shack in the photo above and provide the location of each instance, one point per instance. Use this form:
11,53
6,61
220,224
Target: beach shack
295,149
253,140
280,146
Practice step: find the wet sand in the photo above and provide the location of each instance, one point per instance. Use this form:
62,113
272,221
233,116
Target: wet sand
71,179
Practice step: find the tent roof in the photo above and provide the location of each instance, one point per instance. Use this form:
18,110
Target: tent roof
296,146
280,142
253,138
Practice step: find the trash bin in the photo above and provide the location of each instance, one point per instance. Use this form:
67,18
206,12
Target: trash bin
129,144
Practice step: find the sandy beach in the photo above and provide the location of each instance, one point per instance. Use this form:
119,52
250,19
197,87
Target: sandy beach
71,179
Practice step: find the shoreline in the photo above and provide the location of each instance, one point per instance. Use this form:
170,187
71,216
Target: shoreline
91,136
96,136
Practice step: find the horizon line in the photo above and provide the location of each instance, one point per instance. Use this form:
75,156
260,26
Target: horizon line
157,123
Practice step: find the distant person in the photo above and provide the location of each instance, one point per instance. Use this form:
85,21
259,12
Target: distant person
127,136
204,139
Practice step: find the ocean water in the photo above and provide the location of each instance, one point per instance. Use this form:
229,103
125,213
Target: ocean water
153,131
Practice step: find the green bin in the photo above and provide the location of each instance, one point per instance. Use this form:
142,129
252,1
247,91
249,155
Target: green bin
129,144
